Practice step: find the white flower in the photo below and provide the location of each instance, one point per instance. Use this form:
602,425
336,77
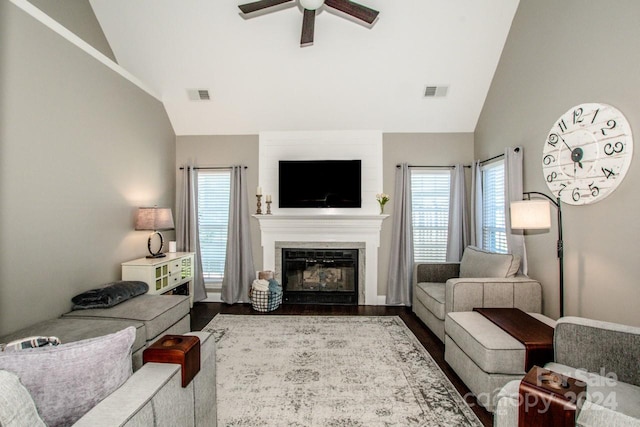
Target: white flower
382,198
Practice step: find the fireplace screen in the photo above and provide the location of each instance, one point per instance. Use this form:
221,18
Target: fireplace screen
320,276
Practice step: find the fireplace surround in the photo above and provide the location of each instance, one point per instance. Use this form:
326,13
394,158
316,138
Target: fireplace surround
360,232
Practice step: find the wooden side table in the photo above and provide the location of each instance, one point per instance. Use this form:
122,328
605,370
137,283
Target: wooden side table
549,399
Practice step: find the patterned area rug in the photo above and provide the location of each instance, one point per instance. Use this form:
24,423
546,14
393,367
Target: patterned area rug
329,371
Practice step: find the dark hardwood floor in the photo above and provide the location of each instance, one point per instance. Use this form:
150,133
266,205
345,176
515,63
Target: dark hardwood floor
202,313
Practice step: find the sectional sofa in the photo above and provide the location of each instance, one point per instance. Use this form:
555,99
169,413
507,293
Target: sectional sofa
87,380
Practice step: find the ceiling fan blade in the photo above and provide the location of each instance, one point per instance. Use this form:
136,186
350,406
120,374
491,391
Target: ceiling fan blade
356,10
259,5
308,24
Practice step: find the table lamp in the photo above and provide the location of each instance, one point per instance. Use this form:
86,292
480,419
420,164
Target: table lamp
155,219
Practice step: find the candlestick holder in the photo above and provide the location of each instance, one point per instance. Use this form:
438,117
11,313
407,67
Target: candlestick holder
259,209
268,207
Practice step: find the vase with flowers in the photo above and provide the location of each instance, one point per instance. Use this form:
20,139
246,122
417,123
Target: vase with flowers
382,199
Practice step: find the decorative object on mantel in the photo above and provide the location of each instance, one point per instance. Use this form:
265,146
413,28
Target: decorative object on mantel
259,196
155,219
362,13
268,201
535,214
382,199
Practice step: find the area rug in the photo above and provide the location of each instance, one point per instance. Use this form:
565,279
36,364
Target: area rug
329,371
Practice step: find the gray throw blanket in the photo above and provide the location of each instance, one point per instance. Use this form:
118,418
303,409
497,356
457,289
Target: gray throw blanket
109,295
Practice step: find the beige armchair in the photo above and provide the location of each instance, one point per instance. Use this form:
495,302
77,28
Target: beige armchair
481,279
604,355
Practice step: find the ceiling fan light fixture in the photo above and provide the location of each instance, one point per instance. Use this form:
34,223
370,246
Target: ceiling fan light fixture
311,4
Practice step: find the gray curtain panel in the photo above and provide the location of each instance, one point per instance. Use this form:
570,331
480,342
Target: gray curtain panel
475,237
187,237
458,233
513,188
400,279
239,271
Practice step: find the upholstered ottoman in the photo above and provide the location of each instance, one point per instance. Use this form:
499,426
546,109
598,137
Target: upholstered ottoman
483,355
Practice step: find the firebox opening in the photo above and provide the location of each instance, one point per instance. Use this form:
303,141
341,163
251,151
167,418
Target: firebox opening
320,276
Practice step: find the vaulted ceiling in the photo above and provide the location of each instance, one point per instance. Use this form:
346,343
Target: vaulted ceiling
352,77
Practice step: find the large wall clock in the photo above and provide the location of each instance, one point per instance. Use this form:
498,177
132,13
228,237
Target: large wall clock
587,153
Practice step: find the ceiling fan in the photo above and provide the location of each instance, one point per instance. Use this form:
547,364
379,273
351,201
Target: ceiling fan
355,10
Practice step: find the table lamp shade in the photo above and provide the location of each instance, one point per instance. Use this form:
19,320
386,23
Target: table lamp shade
531,214
154,219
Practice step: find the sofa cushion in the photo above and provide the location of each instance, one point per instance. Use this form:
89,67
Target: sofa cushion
69,329
491,348
478,263
157,312
431,295
109,295
67,380
16,405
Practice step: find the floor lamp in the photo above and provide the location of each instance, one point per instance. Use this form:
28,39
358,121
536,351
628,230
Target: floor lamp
535,214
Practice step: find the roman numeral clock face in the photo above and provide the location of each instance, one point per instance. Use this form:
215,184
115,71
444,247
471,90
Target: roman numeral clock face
587,153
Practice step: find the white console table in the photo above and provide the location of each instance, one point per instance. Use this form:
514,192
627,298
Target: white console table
162,274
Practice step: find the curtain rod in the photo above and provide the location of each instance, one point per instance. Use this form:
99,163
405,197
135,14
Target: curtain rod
211,167
499,156
433,166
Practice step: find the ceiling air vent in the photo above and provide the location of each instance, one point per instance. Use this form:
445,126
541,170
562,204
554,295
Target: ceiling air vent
199,94
435,90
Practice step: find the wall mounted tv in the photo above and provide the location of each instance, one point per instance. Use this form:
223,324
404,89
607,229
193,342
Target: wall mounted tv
320,184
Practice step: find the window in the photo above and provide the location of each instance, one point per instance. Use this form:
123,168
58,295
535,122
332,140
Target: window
494,236
213,219
430,214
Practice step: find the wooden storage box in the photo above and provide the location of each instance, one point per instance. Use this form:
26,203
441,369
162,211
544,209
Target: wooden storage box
180,349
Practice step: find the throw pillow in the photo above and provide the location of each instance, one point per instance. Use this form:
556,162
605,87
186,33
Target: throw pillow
109,295
67,380
16,405
479,263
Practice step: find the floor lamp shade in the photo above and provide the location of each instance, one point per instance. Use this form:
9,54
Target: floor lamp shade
531,214
154,219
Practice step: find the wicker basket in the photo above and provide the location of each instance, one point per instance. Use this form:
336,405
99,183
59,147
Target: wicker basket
265,300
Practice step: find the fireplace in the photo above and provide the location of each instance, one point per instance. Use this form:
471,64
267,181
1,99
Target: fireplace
359,232
320,276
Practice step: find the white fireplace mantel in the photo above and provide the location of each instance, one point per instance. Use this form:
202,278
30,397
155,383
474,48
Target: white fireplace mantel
326,228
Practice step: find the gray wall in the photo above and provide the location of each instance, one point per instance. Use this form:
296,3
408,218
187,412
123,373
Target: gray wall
560,54
78,17
80,149
418,149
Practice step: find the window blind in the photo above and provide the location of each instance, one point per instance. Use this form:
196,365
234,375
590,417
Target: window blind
213,219
494,236
430,214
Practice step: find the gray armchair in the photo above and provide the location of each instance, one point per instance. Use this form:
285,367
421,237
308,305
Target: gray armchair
481,279
602,354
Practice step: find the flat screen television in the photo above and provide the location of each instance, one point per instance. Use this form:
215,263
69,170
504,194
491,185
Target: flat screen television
320,184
